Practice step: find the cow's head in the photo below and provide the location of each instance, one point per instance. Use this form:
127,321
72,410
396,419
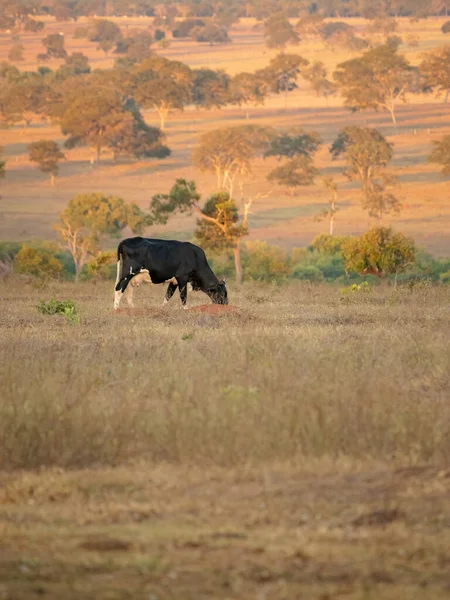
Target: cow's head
218,293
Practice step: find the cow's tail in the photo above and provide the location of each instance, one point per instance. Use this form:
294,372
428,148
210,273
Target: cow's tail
119,263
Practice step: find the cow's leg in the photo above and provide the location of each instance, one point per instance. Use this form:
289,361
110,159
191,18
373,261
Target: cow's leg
120,289
170,292
130,293
182,286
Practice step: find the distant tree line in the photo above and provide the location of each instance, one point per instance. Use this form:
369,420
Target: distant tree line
22,12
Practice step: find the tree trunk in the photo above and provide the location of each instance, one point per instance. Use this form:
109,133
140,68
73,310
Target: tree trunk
237,263
394,120
98,154
331,224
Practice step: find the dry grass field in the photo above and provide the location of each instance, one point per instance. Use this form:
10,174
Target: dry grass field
296,448
29,206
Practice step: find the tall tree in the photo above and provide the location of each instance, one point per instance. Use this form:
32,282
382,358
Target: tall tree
368,154
297,151
46,154
278,32
248,88
210,88
441,154
330,213
106,33
282,73
88,217
435,68
162,84
229,152
55,45
316,75
379,79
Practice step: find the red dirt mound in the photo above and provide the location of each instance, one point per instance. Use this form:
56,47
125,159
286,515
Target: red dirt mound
214,309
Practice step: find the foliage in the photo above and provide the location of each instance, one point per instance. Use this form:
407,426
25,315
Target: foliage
278,32
338,33
75,64
89,216
185,27
55,46
229,152
316,74
435,68
441,154
16,53
247,88
295,172
106,33
446,27
67,308
363,287
380,251
221,229
210,88
47,154
182,198
39,262
263,262
379,79
307,273
212,33
102,266
367,154
299,143
162,84
282,73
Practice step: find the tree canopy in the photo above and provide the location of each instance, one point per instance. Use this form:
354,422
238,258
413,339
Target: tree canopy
378,80
47,154
278,32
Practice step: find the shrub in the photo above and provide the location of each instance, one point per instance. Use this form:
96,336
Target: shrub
264,262
185,27
307,273
380,251
67,308
39,262
446,27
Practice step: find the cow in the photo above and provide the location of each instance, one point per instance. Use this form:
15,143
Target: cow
165,261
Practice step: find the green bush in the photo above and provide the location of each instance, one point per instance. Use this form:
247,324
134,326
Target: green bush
307,273
67,308
264,262
38,262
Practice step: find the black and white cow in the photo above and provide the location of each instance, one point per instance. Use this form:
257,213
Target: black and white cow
161,261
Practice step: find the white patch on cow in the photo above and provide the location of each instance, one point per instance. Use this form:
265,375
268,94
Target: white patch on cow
185,306
165,301
172,280
118,271
117,297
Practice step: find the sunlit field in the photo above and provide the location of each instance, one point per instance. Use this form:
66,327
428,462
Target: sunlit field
298,447
29,205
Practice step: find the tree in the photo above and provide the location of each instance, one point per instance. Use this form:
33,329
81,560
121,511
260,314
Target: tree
379,79
316,75
293,173
229,152
28,96
264,262
446,27
47,154
441,154
106,33
310,25
278,32
16,53
299,148
379,252
248,88
219,227
39,262
330,212
95,112
184,28
211,32
435,68
74,65
162,84
299,143
282,73
367,154
219,224
2,164
210,88
341,34
88,217
54,44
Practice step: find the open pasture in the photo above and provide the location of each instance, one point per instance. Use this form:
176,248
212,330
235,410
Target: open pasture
29,206
296,448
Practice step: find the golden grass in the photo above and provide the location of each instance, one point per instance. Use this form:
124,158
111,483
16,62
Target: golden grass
29,205
296,449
